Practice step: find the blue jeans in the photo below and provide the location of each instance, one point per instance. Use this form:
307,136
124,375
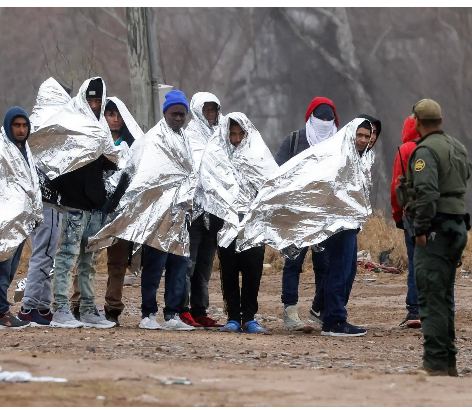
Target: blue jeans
7,272
291,277
412,293
176,266
339,254
77,227
321,261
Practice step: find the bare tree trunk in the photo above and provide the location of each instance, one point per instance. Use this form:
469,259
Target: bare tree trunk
139,67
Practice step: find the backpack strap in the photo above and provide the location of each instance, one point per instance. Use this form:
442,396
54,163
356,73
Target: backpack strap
294,143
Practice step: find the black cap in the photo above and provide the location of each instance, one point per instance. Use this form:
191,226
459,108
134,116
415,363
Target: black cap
95,89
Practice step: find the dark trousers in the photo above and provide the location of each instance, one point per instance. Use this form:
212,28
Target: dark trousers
202,253
241,303
7,272
117,262
412,293
322,263
435,270
339,250
154,263
291,277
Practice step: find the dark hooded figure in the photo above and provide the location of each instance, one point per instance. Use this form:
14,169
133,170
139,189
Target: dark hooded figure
16,136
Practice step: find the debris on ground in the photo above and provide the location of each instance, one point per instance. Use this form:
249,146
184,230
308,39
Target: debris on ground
22,377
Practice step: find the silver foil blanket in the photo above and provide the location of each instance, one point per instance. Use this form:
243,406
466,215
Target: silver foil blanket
156,207
230,176
20,197
199,132
66,135
317,193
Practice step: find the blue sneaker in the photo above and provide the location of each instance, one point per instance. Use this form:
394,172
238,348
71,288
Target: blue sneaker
252,326
232,327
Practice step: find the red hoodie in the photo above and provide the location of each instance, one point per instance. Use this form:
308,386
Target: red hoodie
318,101
409,138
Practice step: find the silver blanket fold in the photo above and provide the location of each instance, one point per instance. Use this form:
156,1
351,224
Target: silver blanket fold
66,135
199,132
317,193
230,176
20,197
156,207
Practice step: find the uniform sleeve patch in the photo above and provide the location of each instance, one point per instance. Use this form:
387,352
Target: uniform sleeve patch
419,165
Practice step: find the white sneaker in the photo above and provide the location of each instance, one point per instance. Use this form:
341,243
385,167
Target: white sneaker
97,320
150,323
64,318
175,323
291,319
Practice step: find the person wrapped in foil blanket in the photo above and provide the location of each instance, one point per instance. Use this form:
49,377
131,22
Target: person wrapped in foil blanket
317,193
156,206
66,134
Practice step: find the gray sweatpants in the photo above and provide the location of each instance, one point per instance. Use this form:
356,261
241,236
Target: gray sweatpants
38,292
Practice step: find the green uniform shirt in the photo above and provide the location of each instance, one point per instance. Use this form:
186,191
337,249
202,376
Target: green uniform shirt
438,170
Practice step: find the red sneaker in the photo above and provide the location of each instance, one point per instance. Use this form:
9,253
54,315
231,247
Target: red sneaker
188,319
206,321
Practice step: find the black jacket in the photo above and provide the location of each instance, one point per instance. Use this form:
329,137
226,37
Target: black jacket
283,154
84,188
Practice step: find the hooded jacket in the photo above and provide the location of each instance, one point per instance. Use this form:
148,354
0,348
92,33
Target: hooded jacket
283,155
19,188
410,136
11,114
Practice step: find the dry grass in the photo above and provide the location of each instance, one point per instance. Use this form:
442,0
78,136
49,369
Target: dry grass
380,234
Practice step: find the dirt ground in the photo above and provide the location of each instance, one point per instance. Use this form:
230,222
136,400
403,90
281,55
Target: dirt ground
124,366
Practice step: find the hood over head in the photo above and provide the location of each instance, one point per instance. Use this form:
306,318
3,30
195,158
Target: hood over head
409,132
198,101
376,122
318,101
11,114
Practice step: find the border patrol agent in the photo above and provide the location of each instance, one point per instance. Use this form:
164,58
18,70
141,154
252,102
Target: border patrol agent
438,171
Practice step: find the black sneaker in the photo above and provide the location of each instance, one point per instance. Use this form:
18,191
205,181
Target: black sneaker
112,316
411,321
35,317
8,320
343,329
315,317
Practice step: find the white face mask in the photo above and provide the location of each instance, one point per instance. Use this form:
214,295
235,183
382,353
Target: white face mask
318,130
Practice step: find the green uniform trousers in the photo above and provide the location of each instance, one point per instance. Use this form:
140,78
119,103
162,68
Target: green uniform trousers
435,269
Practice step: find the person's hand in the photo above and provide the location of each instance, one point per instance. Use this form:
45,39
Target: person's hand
421,240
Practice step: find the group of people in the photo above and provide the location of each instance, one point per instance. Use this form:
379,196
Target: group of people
93,179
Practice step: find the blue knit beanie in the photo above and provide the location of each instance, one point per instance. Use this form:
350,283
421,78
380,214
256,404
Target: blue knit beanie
174,97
